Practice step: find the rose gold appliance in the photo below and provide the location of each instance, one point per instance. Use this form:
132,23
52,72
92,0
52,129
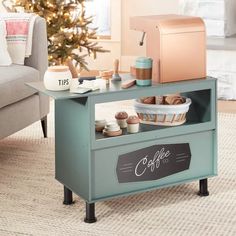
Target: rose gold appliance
177,45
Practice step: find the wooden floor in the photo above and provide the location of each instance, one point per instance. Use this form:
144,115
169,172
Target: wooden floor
227,106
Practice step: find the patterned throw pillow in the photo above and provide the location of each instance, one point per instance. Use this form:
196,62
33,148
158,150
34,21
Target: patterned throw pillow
5,59
17,25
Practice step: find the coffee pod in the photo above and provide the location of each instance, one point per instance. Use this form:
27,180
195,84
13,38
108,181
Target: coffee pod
100,125
121,118
133,124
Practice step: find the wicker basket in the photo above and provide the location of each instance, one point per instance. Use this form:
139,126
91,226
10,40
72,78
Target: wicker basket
165,115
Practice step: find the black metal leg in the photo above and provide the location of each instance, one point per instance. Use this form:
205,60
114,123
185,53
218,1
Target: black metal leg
90,213
68,198
203,188
44,126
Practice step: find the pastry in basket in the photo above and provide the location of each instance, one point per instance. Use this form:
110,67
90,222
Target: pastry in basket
173,100
148,100
171,112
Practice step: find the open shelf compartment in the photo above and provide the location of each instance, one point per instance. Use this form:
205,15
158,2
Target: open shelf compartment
199,117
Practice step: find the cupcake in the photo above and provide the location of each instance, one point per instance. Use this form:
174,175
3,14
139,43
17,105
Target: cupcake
121,118
133,124
99,125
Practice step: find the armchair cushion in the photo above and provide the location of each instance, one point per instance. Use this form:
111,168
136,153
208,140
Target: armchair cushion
12,83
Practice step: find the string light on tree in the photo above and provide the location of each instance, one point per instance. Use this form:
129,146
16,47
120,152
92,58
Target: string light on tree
69,34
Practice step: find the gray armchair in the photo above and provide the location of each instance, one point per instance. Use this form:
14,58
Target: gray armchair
20,105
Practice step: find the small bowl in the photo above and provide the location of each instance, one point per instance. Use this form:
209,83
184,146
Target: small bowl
99,125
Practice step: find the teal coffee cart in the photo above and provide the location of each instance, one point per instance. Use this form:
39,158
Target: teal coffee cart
98,168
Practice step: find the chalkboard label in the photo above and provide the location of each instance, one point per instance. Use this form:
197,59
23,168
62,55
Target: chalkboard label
154,162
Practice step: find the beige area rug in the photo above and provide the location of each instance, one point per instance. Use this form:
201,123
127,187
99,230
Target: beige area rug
31,199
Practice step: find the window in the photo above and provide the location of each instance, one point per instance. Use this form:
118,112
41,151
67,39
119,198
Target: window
101,10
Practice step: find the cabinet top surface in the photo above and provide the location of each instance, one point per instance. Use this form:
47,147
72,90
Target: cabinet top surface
115,88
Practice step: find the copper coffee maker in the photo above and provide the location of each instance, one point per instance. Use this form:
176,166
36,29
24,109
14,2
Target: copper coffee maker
177,45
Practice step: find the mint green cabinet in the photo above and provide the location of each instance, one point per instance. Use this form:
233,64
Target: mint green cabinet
104,180
86,162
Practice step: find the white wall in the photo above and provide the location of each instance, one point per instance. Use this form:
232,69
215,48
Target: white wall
124,42
126,45
104,61
2,9
130,39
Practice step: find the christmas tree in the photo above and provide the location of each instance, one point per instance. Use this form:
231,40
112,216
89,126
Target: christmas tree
69,34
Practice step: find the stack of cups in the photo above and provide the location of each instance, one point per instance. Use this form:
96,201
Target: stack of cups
143,67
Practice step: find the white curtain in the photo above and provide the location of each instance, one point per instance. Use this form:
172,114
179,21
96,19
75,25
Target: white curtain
101,10
218,15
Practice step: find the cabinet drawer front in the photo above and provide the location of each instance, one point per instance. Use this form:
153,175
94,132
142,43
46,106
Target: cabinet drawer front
152,164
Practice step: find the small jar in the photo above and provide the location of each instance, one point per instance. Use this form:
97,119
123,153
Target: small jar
143,67
100,125
57,78
133,124
121,118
